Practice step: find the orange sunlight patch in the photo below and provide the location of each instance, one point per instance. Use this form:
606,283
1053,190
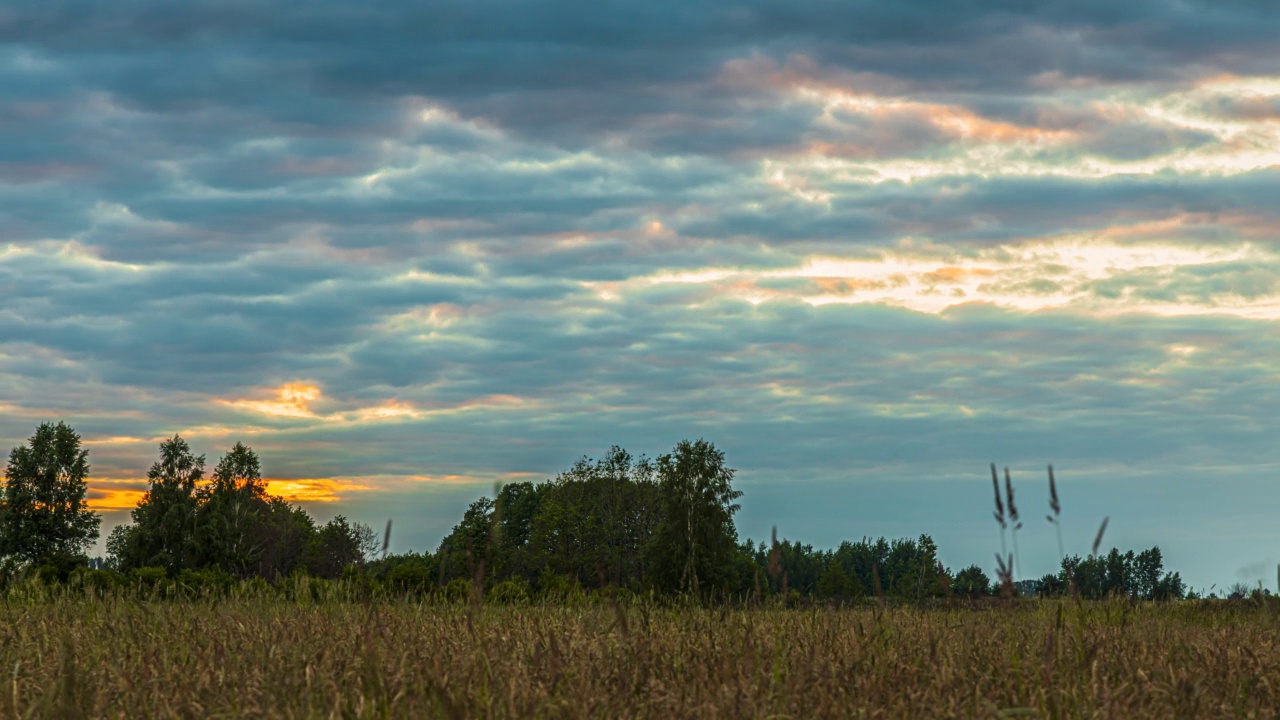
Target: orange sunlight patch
116,440
112,498
956,274
108,495
311,489
292,400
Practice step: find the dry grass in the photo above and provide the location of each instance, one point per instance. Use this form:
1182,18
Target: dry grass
68,657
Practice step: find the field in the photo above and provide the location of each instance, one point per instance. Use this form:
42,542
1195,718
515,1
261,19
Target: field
66,656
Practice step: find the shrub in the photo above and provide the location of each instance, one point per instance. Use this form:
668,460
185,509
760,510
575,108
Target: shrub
57,568
149,577
613,593
410,577
96,582
458,590
205,583
508,592
252,588
558,588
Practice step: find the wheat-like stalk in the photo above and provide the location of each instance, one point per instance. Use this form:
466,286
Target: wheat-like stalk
1013,517
999,511
1097,541
1056,517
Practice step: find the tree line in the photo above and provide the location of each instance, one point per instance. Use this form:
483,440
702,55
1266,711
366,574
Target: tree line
618,523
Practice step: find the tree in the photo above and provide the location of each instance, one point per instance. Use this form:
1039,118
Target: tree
370,543
835,583
336,545
239,471
1170,587
593,523
971,582
44,514
235,506
163,533
281,538
1139,576
911,569
695,540
464,552
1147,566
1052,586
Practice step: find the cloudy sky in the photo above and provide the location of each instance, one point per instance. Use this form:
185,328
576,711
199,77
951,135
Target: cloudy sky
408,250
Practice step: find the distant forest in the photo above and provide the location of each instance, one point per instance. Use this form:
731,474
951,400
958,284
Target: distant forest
618,525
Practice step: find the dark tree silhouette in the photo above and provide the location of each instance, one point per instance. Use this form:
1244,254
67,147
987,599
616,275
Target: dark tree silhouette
44,516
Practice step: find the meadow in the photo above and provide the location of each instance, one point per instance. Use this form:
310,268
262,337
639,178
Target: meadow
300,654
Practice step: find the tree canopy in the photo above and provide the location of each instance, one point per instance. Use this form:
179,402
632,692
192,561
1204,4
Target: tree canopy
624,522
44,515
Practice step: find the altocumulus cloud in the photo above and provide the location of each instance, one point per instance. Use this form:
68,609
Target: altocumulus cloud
409,251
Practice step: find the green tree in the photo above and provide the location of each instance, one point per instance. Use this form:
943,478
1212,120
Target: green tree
239,471
235,505
971,582
595,521
1170,587
1052,586
163,533
44,514
282,539
337,545
836,583
464,552
911,569
695,540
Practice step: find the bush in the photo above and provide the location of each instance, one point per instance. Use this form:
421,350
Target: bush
457,590
149,577
252,589
613,593
508,592
57,569
410,577
96,582
359,582
560,589
205,583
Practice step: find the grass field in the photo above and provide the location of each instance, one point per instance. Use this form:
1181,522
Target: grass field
63,656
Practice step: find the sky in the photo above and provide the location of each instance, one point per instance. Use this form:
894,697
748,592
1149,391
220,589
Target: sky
406,251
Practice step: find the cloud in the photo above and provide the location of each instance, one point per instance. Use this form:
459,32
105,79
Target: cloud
409,251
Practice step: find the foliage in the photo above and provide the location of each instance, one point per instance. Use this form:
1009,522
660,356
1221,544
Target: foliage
44,513
1139,576
409,573
971,582
695,539
508,592
902,568
164,533
228,526
614,527
458,590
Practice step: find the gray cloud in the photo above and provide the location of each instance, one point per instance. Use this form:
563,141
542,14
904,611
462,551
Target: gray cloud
430,205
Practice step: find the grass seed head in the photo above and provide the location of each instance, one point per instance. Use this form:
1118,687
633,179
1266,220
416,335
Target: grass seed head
1008,487
995,484
1097,541
1054,505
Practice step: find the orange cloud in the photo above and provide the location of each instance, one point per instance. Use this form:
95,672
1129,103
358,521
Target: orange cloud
955,274
312,489
115,440
292,400
107,494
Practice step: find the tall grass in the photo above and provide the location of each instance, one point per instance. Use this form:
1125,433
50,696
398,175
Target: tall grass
66,656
